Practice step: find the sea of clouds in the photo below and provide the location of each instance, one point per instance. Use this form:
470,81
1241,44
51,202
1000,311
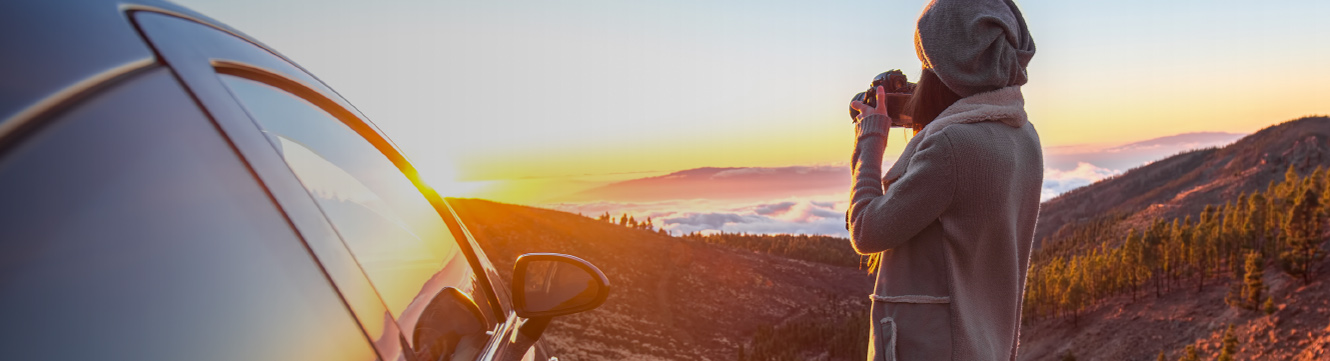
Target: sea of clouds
820,215
823,215
1066,168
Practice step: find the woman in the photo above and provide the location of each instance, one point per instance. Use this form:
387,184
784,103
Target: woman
951,223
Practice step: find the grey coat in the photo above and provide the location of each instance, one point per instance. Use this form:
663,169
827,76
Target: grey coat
954,220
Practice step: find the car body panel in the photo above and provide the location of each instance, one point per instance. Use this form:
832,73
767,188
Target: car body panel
199,52
75,50
134,231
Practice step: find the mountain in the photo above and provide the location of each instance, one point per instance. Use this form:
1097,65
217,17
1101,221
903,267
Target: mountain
673,298
1184,183
1168,256
723,184
1119,157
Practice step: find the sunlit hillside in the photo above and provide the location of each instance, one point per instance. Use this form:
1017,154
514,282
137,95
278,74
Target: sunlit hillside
1165,257
679,299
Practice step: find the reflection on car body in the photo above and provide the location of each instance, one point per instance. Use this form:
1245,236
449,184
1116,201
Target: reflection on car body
172,189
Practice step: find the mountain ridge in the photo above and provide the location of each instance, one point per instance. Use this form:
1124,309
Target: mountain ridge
1184,183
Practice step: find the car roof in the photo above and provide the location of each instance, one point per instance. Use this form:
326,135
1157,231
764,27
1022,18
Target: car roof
54,50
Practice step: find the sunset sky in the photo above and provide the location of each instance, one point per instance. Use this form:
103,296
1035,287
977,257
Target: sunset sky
571,94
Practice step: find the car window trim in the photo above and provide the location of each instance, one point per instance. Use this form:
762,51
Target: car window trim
31,117
300,90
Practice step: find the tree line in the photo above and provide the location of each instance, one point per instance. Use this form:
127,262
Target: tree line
1282,226
631,222
835,251
830,250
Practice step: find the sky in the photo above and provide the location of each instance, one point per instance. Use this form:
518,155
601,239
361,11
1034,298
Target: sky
519,100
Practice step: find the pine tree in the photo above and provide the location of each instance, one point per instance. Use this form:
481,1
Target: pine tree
1161,356
1253,287
1201,246
1269,306
1133,260
1189,354
1274,219
1153,240
1256,217
1234,296
1230,347
1302,232
1289,187
1325,193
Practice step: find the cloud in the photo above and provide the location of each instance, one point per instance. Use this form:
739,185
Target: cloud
1127,156
823,214
823,223
774,209
702,221
752,184
1060,181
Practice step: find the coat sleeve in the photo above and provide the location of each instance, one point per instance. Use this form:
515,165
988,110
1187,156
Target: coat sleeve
879,220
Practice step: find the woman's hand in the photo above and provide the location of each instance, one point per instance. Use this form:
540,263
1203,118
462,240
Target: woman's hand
865,110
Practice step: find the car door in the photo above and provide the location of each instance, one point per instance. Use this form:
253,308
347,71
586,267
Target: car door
132,230
407,268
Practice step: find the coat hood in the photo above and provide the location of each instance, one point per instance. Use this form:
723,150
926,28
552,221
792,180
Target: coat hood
974,46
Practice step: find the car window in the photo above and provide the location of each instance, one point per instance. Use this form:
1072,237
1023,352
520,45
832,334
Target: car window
395,234
132,231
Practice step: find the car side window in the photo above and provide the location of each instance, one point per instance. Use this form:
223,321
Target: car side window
395,234
133,231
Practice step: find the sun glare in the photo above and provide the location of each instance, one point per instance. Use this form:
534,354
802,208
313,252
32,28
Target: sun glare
443,177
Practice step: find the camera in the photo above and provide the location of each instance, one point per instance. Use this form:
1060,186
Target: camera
898,88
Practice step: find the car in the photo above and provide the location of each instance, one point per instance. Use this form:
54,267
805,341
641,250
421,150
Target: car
172,189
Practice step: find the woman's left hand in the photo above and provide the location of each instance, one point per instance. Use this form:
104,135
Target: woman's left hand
865,110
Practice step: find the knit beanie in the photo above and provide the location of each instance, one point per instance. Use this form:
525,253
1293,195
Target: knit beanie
974,46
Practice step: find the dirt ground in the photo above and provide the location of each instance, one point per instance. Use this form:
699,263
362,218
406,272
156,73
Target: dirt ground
1119,329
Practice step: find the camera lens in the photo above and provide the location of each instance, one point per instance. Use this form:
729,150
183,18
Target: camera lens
854,114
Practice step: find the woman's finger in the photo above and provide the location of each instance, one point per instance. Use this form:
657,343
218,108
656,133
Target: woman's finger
881,96
858,105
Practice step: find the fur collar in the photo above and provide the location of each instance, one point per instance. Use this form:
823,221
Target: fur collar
1006,105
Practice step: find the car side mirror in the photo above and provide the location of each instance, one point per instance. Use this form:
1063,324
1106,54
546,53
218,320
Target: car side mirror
550,284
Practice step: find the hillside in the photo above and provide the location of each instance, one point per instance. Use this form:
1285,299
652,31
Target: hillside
1122,329
672,298
1169,255
1184,183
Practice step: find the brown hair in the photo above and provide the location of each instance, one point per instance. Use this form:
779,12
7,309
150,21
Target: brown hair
931,97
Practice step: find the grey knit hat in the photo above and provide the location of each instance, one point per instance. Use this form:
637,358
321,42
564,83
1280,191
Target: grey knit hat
974,46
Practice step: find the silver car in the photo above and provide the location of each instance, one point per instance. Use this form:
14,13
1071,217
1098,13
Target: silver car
171,189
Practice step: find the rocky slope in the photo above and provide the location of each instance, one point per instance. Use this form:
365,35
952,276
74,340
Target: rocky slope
1123,329
671,299
1184,183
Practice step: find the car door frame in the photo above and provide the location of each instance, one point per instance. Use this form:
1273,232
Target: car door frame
197,63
